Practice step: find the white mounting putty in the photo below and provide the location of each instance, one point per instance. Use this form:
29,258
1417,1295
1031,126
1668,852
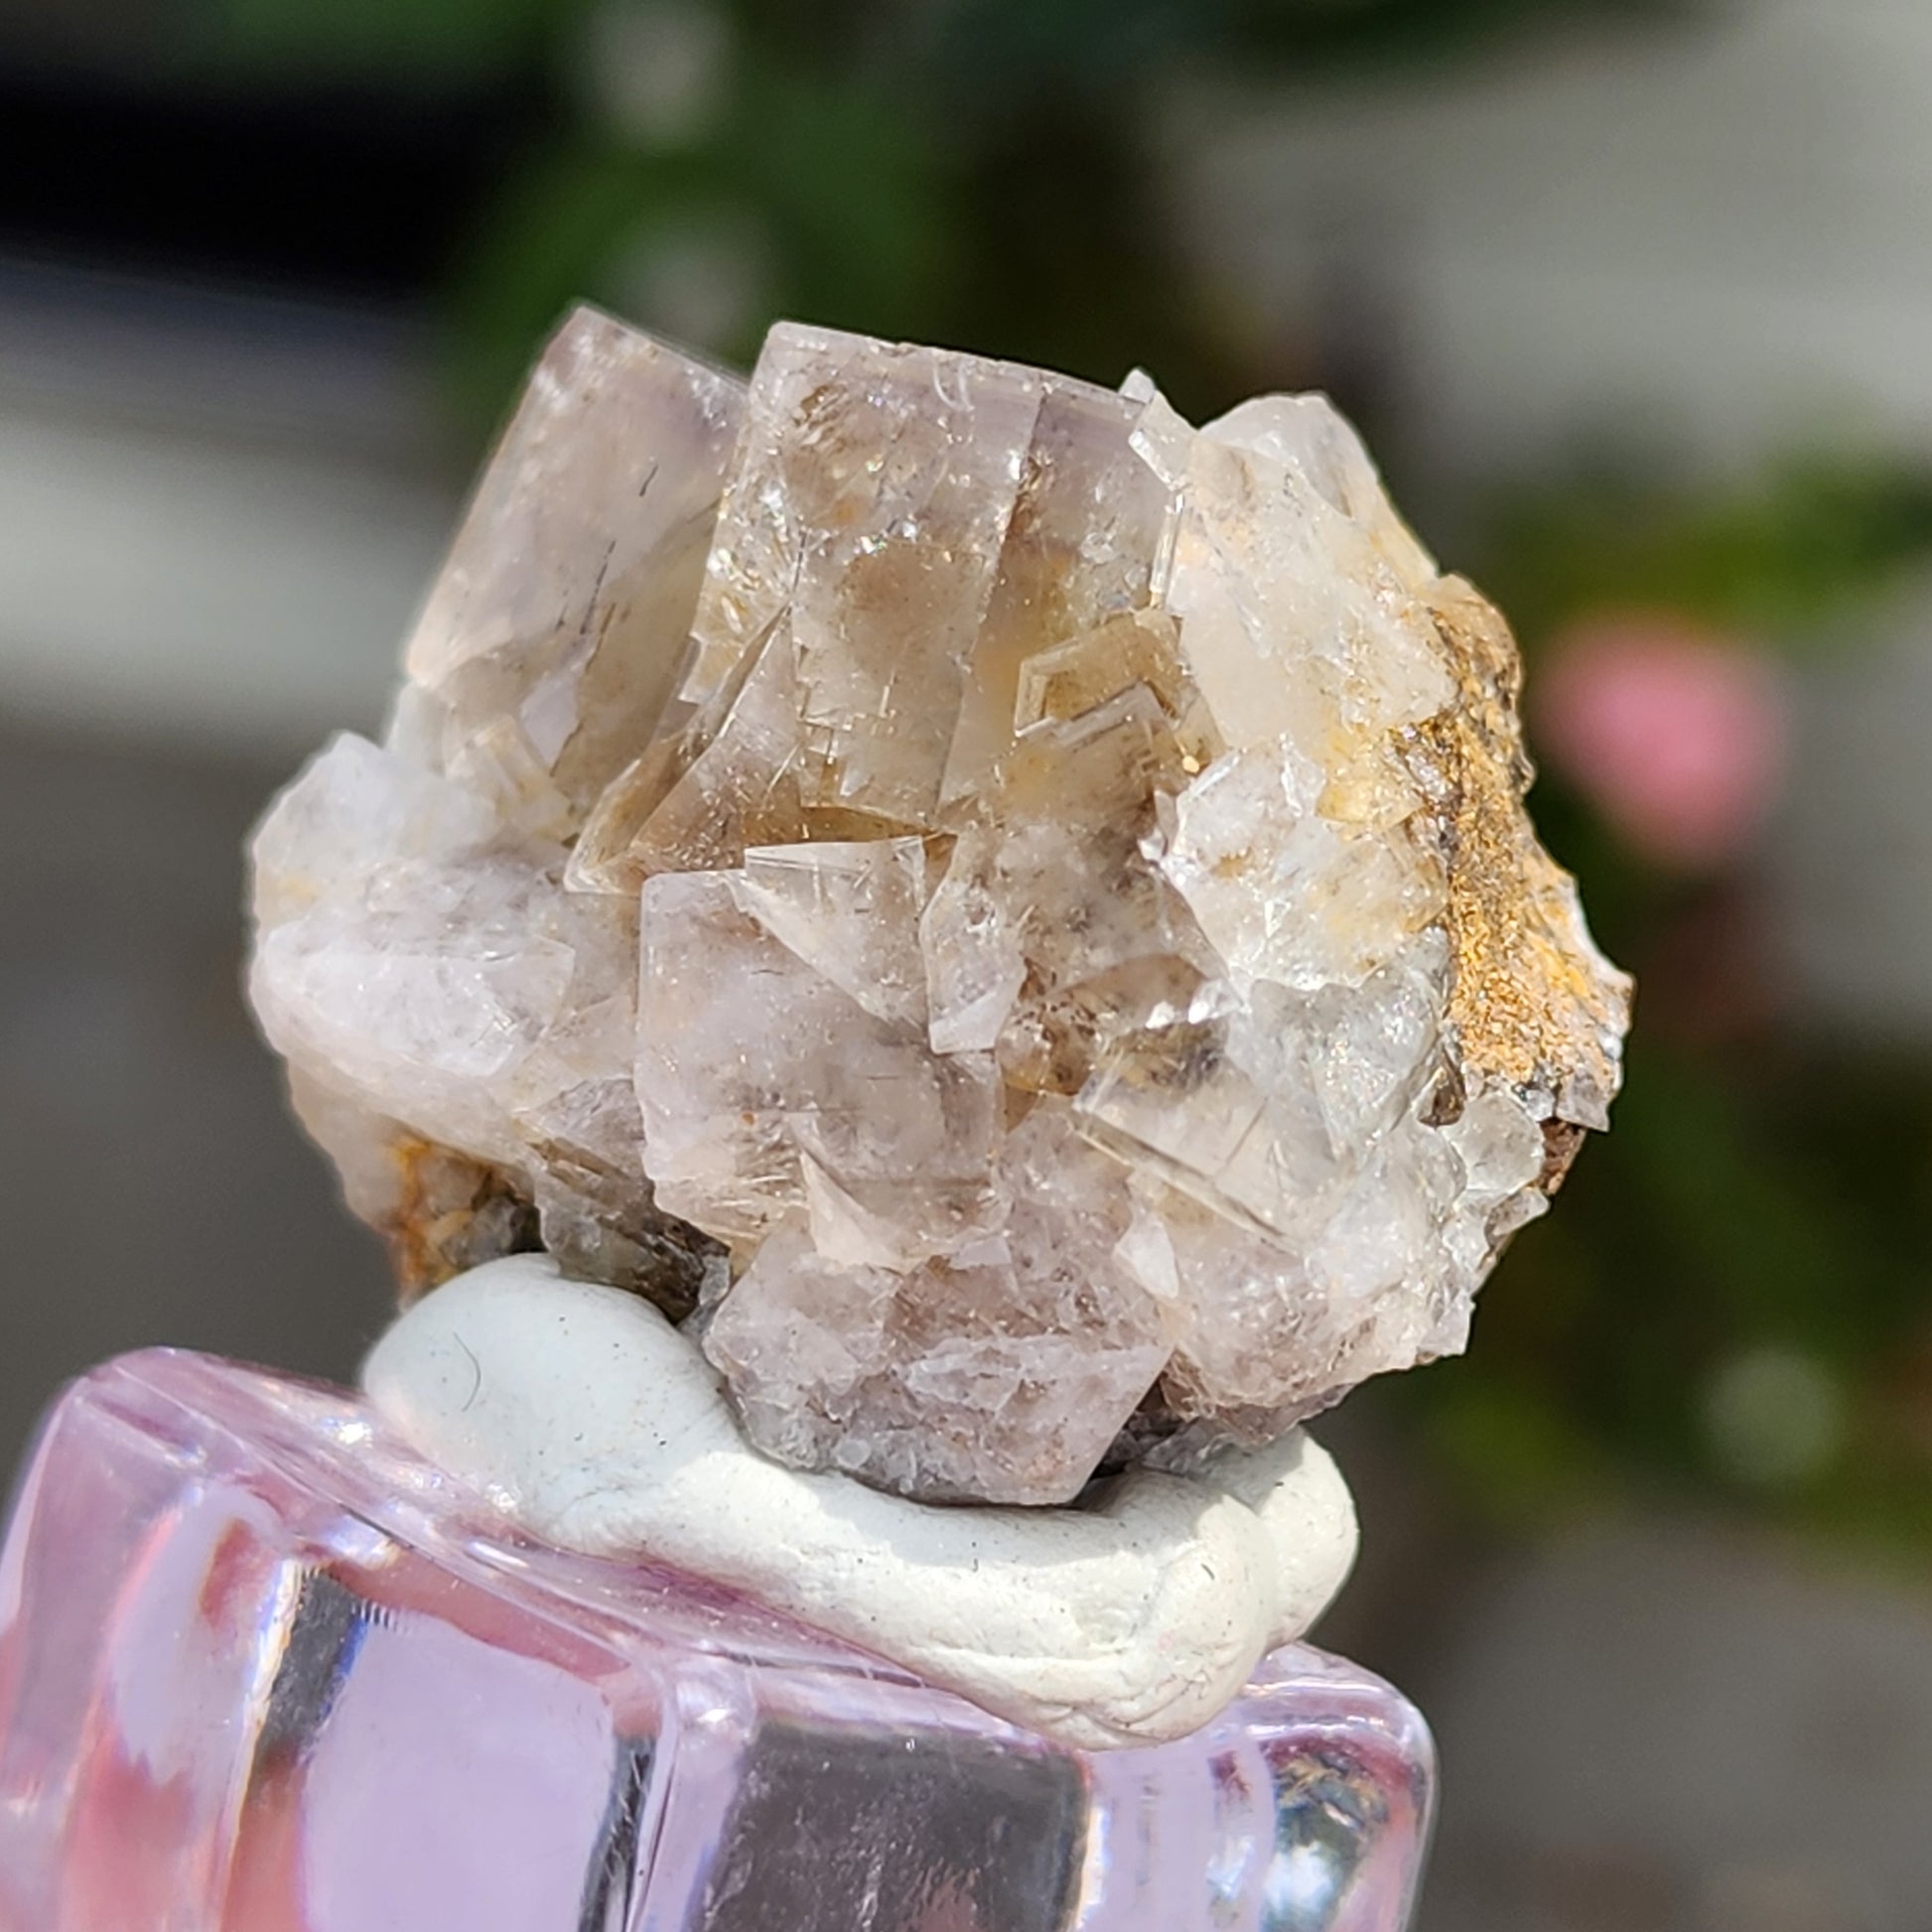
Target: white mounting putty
597,1427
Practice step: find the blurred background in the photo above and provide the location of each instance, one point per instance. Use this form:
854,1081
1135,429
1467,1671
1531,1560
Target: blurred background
1634,302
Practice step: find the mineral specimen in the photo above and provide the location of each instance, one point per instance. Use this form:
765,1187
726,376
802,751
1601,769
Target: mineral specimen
1013,916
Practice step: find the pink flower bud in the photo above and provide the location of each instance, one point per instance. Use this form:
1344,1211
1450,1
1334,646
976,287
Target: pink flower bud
1675,734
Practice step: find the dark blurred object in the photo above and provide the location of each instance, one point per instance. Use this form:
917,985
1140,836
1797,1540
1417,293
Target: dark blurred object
332,192
147,137
974,171
984,171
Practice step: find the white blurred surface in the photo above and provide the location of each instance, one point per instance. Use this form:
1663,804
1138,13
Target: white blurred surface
216,518
1760,1726
1714,227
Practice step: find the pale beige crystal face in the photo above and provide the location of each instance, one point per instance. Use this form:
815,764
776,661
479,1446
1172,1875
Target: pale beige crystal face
1013,916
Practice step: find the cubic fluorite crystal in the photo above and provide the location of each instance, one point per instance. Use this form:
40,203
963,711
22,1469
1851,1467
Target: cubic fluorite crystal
263,1670
1014,916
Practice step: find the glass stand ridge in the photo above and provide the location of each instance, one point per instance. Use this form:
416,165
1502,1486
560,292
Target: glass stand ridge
263,1670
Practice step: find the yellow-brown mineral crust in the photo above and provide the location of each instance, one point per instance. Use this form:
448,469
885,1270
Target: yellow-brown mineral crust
1532,1002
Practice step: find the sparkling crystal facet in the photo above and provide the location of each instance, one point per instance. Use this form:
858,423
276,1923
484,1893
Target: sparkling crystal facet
262,1671
1018,765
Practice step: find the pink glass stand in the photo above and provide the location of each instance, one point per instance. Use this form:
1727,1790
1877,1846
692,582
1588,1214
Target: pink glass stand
262,1670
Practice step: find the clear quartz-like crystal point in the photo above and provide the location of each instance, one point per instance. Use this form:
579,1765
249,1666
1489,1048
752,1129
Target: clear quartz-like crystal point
262,1671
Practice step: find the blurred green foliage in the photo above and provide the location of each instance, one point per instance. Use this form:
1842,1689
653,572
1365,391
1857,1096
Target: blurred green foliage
1736,1297
970,171
1786,558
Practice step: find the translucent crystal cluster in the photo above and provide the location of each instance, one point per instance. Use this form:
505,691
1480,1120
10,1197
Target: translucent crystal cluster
1014,916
